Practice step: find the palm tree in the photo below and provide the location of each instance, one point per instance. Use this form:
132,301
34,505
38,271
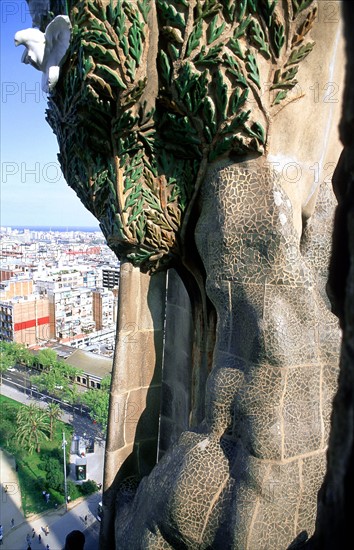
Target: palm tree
32,426
54,413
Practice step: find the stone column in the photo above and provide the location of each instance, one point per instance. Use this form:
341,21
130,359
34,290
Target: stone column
132,439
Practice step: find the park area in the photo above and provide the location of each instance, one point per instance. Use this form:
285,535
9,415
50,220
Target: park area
34,437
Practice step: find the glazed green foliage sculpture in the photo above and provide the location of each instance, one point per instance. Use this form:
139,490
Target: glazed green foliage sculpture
136,139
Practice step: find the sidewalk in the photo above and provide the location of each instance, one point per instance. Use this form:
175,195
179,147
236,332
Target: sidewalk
60,524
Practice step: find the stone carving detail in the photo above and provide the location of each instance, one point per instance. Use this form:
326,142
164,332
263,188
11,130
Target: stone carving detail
136,142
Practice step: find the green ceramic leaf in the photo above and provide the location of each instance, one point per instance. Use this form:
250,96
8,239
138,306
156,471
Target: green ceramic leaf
110,76
237,100
214,31
210,56
144,7
279,97
135,42
278,37
235,47
165,66
221,95
257,131
300,5
170,14
259,39
299,54
99,53
241,29
252,68
229,8
194,38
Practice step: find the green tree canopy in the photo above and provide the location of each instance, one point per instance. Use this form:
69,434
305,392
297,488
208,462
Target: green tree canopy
7,359
32,426
46,357
58,380
97,400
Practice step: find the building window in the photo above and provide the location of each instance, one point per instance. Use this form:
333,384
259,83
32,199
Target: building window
92,384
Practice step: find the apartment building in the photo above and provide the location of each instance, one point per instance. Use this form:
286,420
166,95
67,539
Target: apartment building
110,277
104,308
25,319
71,311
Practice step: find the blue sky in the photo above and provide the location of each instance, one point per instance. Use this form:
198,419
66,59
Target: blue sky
33,191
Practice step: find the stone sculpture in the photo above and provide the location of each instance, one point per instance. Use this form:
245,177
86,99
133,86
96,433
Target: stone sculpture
45,51
191,130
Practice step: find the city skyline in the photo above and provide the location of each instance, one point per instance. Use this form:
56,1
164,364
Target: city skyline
33,190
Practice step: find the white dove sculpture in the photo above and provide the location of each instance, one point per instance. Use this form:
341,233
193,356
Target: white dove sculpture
45,51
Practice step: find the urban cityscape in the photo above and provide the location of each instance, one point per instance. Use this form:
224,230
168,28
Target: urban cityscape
58,296
58,285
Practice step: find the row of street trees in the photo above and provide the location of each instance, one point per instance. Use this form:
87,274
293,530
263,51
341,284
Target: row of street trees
57,378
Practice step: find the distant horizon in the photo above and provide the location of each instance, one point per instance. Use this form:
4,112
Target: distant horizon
53,227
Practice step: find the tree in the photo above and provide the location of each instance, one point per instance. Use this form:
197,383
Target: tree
54,474
98,402
54,414
58,380
22,354
7,360
46,357
32,427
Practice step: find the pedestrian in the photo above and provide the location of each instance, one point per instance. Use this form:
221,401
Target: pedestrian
86,519
16,467
28,539
33,533
29,547
1,537
47,497
43,493
39,538
6,488
46,530
47,547
12,523
1,529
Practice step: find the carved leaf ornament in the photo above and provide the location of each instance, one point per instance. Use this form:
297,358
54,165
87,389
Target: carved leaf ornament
135,158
